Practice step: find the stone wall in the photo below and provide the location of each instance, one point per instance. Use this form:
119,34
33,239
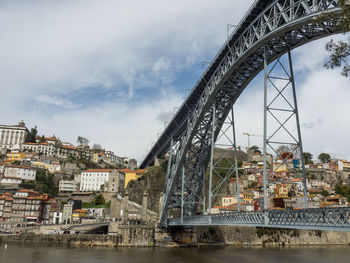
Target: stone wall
136,236
253,236
74,240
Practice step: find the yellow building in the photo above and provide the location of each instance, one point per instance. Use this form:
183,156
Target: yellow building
281,190
280,167
131,174
248,197
97,157
78,215
11,157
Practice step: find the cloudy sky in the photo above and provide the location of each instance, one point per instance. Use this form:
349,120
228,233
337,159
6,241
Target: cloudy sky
115,71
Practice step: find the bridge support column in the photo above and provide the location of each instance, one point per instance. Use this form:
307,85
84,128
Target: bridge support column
211,161
235,157
182,193
281,107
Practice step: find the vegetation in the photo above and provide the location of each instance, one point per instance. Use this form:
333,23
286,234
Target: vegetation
324,157
308,158
82,140
339,51
153,181
324,193
97,146
32,134
44,183
343,190
93,205
99,200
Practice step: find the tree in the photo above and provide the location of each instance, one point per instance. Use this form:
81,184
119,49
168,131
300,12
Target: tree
99,200
324,157
82,140
339,51
324,193
32,135
308,158
97,146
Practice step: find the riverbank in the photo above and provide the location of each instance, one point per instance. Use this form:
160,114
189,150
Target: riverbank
133,236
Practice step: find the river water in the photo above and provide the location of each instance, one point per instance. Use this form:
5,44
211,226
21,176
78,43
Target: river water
15,253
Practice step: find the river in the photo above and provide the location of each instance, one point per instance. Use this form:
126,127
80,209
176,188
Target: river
15,253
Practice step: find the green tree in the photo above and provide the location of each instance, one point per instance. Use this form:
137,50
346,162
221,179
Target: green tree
99,200
324,193
32,135
339,51
308,158
324,157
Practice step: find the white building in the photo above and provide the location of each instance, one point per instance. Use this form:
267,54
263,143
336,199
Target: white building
13,136
7,181
23,172
94,179
68,186
43,147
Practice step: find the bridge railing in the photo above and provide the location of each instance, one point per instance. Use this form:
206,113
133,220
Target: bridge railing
312,218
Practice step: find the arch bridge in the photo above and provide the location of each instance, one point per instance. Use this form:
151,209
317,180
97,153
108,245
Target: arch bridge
262,41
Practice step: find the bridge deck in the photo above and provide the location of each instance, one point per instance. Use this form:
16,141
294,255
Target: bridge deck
313,218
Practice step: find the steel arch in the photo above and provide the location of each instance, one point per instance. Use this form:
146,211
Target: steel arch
276,25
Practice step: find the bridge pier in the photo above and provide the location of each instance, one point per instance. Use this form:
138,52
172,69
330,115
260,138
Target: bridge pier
282,109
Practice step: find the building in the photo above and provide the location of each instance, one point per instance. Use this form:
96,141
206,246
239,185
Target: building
10,181
13,136
67,214
281,190
43,148
23,172
94,179
15,156
115,183
25,206
67,186
131,174
79,214
101,180
76,204
65,150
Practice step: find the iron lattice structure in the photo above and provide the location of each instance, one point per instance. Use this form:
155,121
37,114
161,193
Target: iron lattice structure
269,29
314,219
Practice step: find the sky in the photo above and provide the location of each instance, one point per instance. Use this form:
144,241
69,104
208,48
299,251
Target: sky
115,71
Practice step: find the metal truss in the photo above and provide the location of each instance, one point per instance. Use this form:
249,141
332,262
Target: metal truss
224,167
269,29
314,218
282,108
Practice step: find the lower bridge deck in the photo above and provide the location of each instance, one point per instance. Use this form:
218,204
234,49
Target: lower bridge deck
337,219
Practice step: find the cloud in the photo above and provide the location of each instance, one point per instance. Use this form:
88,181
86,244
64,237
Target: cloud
113,71
56,101
310,125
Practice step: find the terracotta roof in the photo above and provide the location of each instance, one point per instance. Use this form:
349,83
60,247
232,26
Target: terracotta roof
126,170
141,171
19,166
98,171
68,147
80,211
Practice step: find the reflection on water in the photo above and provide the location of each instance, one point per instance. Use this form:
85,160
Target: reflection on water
15,253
